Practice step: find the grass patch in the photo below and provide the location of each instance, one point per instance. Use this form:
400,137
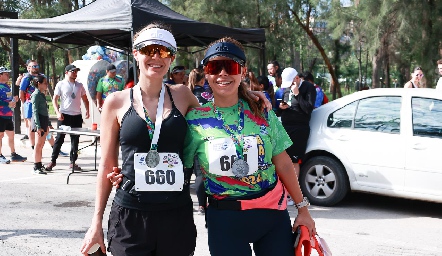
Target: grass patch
51,107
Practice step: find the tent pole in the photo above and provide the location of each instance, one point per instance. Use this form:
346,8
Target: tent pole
134,63
263,55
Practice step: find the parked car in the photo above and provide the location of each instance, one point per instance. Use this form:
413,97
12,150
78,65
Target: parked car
382,141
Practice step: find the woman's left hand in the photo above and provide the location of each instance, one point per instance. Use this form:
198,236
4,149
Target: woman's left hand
305,219
260,96
115,177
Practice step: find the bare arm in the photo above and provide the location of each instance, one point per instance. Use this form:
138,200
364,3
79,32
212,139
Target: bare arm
22,96
99,100
86,104
286,172
56,109
109,158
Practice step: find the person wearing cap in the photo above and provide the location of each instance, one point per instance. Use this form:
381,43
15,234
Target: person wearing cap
153,214
296,109
108,84
26,89
7,103
70,93
247,172
177,75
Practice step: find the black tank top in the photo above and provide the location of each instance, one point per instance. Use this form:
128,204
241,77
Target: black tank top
134,138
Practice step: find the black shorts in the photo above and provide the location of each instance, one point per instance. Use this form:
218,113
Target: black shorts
44,123
151,233
299,135
6,124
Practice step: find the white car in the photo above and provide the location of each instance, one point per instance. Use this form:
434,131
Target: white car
382,141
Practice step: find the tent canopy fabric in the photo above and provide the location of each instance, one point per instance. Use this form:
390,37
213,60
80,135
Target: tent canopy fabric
111,22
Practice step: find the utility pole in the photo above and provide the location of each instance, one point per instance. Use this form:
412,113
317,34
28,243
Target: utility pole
13,57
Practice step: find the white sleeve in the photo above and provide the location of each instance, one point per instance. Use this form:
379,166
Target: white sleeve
439,84
57,89
83,91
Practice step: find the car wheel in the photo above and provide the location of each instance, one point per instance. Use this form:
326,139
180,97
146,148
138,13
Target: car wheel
323,181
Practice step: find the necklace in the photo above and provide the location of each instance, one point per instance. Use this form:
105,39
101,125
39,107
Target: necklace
239,167
73,87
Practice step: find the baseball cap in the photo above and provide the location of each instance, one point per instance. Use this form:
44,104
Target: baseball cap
225,49
71,67
178,69
287,76
156,36
4,70
111,68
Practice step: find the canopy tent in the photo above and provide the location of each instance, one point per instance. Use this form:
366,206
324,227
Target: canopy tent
111,22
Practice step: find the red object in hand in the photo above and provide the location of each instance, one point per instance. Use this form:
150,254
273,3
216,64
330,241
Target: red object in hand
308,243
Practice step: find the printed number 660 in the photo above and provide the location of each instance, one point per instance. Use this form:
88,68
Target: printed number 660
160,177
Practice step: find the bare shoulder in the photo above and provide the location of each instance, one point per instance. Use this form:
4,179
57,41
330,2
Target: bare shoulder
182,94
117,100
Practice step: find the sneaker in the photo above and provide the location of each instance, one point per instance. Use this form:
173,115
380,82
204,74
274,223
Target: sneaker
63,154
50,166
76,167
201,211
3,160
25,137
40,170
290,201
17,158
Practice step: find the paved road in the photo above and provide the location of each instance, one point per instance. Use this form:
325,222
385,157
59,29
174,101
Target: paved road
41,215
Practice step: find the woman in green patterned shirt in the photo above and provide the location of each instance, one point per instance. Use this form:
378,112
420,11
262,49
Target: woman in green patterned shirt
247,173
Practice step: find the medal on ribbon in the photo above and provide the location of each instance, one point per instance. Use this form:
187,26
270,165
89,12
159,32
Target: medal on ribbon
239,167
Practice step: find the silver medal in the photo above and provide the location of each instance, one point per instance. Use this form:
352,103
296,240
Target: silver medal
152,159
240,168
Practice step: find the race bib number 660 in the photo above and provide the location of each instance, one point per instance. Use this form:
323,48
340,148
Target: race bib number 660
168,175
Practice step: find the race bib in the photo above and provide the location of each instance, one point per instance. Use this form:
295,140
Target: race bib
222,154
9,95
168,175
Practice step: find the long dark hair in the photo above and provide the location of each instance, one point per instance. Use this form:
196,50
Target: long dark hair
194,77
38,80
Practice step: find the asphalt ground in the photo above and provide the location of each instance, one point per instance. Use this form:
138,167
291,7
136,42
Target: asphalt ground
42,215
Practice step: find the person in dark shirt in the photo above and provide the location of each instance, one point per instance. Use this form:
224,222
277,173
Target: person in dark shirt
296,108
40,120
196,85
177,75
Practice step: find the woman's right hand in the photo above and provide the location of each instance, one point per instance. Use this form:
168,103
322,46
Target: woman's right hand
93,236
115,177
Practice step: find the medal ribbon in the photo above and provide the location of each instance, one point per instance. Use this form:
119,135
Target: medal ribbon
230,131
154,130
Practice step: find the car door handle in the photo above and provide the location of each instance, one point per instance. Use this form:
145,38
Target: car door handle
418,146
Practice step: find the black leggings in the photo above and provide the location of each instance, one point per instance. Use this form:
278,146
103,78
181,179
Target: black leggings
73,122
231,231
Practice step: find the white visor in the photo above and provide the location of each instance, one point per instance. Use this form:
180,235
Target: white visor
155,36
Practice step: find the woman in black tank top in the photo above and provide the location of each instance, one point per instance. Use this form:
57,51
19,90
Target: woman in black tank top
141,221
416,78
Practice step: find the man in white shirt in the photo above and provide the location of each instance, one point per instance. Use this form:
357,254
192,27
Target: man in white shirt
439,82
70,94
